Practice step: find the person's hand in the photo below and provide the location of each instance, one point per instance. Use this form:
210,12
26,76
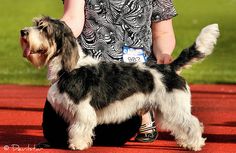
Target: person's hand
164,59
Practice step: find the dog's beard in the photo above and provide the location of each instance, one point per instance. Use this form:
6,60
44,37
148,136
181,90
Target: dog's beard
37,58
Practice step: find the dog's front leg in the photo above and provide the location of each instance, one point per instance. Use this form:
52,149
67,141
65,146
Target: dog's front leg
81,126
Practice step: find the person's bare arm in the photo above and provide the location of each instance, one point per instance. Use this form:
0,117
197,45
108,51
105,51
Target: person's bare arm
74,15
163,38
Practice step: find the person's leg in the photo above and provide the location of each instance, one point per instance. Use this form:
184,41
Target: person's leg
147,131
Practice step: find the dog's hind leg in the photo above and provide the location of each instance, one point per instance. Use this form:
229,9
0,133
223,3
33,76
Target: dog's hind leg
81,127
174,114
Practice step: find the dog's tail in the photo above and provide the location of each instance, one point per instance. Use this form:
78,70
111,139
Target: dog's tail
202,47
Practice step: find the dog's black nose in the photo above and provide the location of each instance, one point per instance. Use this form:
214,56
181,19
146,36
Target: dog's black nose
24,32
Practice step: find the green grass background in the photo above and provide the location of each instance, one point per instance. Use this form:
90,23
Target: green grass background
220,67
192,16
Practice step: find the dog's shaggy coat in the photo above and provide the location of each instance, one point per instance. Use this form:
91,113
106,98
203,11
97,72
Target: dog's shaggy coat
87,92
55,130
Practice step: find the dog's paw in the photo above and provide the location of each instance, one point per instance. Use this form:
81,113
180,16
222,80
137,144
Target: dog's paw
78,145
192,145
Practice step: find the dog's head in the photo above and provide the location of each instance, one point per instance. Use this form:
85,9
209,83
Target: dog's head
49,38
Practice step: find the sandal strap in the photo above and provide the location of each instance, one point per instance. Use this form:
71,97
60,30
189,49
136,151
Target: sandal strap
147,127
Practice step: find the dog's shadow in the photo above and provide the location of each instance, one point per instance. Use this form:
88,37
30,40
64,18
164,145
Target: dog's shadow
20,136
55,130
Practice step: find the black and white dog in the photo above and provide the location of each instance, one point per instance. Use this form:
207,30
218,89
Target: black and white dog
88,92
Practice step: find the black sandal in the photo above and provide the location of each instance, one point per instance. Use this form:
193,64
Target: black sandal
144,136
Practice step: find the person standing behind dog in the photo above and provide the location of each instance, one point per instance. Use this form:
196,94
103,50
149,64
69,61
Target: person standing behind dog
127,31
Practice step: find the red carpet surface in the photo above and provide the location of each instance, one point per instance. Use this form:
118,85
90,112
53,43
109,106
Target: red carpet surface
21,114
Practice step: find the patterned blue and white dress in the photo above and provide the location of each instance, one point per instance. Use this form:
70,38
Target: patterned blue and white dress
111,24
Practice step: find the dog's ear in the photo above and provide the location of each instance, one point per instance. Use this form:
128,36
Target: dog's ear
43,21
36,20
69,49
45,24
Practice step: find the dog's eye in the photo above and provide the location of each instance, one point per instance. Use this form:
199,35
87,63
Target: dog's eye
38,23
42,28
41,51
